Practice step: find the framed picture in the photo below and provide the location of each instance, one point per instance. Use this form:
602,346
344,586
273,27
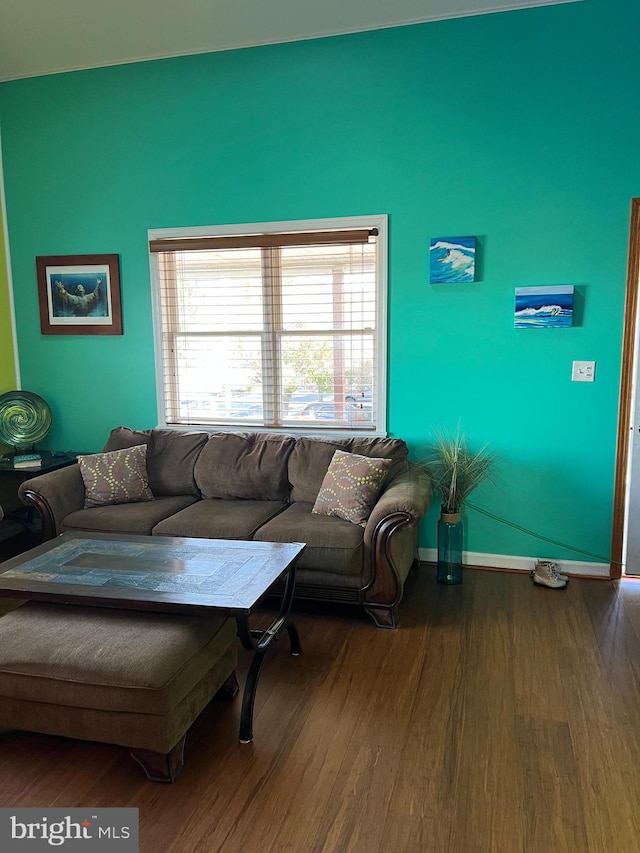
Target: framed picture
79,294
549,307
452,260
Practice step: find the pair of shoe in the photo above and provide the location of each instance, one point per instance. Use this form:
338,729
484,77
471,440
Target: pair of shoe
547,573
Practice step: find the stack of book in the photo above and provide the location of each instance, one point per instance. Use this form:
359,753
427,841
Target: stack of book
27,460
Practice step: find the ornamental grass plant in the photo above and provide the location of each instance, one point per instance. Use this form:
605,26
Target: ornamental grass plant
455,470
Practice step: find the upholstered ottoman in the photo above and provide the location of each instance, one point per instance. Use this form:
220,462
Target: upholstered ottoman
126,677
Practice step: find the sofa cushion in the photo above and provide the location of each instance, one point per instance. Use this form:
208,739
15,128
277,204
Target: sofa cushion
351,485
252,466
138,518
333,544
310,459
124,437
213,518
171,456
173,459
116,477
107,659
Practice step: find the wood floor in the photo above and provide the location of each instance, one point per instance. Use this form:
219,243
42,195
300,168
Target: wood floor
499,717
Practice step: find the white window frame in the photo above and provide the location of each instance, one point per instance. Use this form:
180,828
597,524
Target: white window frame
379,222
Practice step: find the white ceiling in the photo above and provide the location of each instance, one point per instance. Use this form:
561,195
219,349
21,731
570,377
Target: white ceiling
49,36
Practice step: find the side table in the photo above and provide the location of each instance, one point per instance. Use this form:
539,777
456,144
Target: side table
11,478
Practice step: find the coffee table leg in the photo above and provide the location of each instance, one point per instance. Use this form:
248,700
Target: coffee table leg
259,642
248,699
294,639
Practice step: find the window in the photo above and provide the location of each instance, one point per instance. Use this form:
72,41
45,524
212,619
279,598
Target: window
272,326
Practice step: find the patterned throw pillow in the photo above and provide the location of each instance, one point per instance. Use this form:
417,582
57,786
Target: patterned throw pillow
117,477
351,486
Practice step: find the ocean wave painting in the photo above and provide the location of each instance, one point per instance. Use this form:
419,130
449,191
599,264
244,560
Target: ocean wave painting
452,260
544,307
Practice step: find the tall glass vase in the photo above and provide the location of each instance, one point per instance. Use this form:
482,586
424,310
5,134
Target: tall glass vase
450,548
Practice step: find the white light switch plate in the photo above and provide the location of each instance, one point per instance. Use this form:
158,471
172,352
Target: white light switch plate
583,371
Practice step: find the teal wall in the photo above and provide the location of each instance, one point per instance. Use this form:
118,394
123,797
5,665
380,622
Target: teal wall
521,128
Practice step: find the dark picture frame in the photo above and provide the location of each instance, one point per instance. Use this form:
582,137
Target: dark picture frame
79,294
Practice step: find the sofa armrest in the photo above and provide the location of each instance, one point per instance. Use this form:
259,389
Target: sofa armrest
54,495
391,543
408,494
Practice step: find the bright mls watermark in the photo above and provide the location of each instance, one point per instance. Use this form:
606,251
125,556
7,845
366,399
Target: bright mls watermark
79,830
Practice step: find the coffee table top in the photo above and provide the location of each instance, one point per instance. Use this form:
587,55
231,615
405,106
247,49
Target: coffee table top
148,572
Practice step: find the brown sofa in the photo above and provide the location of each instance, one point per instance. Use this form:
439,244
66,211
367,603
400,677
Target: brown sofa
260,486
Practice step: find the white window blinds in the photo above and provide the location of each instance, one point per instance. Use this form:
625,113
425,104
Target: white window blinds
270,330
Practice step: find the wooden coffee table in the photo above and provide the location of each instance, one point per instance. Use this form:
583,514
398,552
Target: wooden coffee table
165,574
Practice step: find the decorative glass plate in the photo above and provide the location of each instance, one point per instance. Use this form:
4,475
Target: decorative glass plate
25,418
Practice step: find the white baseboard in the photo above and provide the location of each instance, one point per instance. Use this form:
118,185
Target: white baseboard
522,564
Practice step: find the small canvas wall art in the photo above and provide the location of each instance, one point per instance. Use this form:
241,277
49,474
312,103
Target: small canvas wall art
452,260
544,307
